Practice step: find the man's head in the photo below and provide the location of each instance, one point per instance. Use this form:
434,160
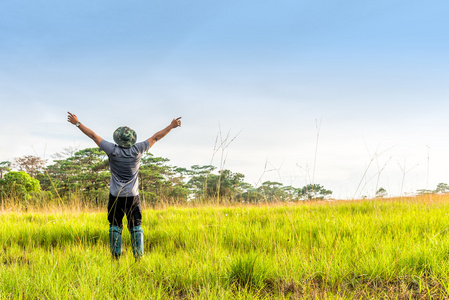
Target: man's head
125,137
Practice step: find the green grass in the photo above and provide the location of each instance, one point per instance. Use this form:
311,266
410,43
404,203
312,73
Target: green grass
334,250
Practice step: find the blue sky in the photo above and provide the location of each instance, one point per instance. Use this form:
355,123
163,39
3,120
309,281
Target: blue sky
371,74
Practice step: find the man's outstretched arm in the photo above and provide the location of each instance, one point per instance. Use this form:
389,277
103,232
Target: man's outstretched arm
160,134
72,118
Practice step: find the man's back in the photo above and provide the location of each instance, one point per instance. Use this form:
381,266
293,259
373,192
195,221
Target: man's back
124,164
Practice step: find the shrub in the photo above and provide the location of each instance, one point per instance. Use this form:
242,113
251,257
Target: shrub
18,185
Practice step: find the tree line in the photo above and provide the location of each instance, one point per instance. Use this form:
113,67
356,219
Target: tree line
84,175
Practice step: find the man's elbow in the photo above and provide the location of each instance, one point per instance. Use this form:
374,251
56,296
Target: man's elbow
154,139
95,137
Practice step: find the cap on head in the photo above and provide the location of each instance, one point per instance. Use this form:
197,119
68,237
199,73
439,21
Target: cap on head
125,137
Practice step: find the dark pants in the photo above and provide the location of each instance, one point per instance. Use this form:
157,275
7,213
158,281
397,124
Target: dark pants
119,206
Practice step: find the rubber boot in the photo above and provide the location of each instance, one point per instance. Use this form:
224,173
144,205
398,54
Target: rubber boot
137,241
115,240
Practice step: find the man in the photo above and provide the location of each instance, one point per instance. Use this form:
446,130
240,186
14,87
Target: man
124,161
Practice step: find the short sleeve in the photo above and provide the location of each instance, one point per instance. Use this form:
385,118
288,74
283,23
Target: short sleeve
143,146
107,147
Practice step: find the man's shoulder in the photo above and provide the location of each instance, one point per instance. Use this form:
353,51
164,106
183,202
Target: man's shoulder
103,141
106,146
142,146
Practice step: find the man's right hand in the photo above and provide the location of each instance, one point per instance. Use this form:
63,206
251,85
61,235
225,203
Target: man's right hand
160,134
176,122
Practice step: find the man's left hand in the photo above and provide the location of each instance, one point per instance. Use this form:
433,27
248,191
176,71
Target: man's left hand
72,118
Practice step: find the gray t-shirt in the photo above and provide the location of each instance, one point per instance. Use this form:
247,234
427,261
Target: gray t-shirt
124,164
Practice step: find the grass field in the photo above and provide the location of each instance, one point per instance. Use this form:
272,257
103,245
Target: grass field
395,248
